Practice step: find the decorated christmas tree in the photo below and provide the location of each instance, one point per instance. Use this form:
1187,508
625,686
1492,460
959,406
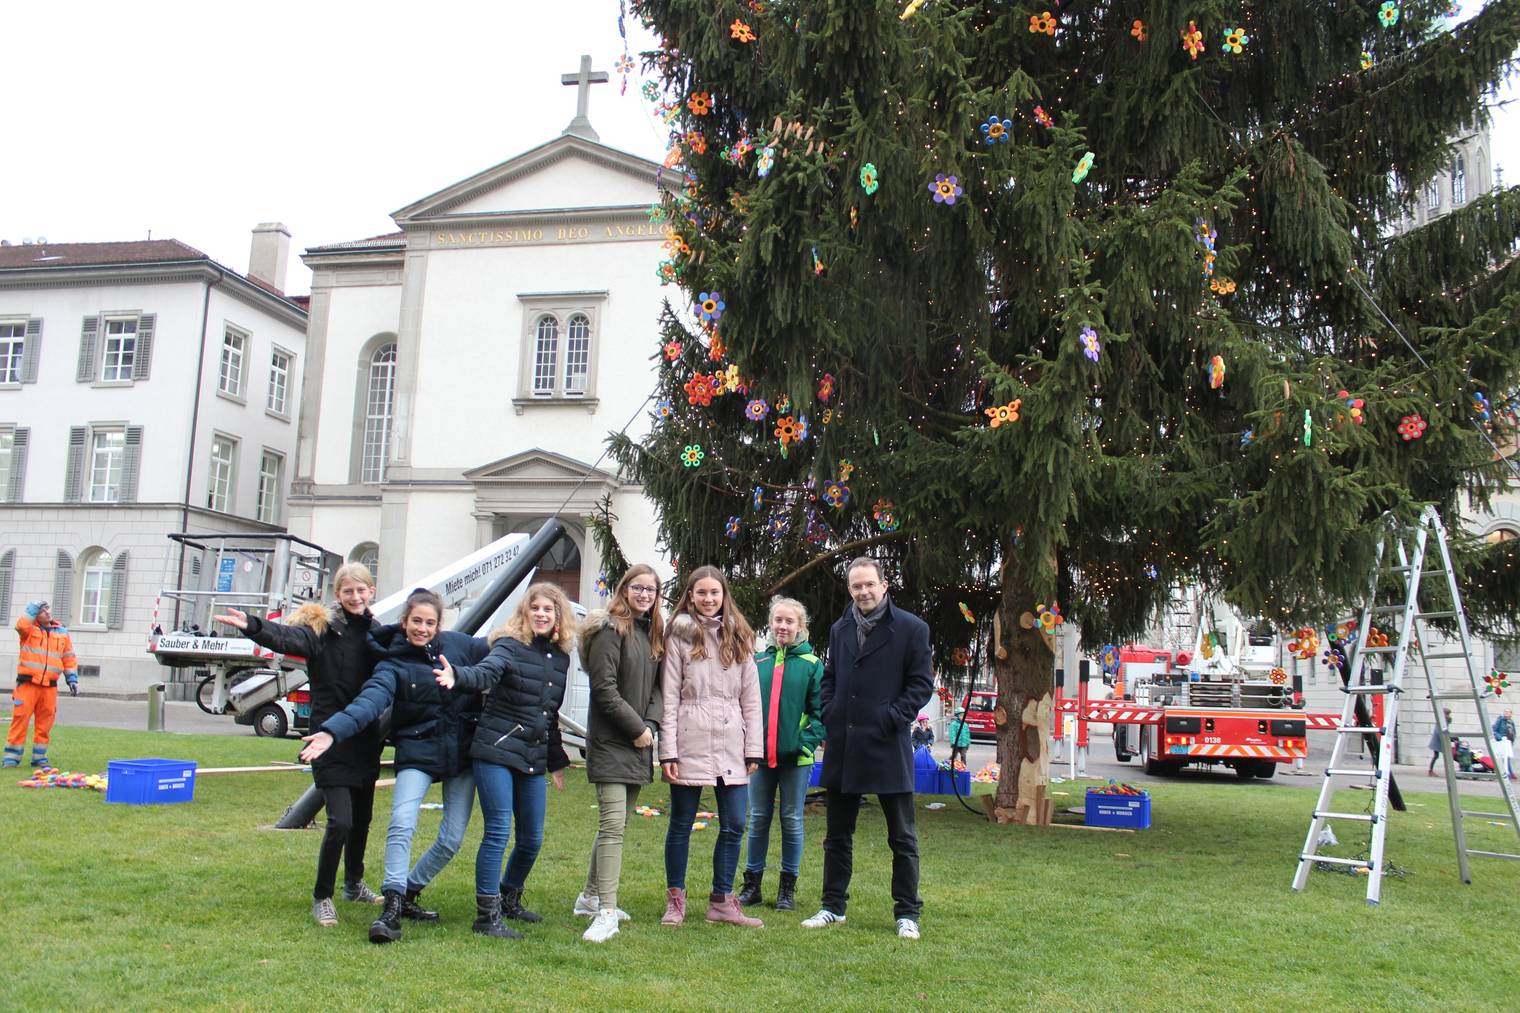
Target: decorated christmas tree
1053,311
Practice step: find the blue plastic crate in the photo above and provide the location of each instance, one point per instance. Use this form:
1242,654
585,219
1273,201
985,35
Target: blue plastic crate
953,783
816,774
1132,812
150,781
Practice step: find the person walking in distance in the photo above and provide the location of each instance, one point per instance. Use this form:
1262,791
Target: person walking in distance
960,737
1435,742
47,655
878,674
1504,744
621,650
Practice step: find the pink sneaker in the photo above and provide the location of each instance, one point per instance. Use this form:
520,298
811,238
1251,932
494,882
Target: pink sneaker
675,906
724,907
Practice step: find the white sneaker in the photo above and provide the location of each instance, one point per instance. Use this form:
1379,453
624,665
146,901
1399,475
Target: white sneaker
907,928
603,927
589,906
823,919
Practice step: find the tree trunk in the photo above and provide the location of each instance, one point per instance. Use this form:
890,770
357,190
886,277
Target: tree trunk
1023,663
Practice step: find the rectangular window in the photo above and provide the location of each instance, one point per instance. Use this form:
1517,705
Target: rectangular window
279,381
108,451
545,356
12,347
379,402
270,466
558,354
119,353
7,461
219,485
577,354
230,377
94,595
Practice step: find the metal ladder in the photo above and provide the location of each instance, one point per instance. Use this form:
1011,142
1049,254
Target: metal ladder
1412,617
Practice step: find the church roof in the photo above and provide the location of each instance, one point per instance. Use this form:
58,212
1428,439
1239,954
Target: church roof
142,251
391,240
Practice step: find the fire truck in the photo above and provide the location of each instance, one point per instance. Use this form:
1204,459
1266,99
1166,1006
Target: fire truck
1226,701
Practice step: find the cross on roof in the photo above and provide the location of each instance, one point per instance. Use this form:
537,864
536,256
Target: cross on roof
583,80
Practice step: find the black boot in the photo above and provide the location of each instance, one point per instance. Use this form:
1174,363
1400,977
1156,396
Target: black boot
786,893
488,918
511,905
750,895
387,928
415,911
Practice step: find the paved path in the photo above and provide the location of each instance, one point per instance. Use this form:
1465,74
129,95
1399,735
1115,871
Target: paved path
132,715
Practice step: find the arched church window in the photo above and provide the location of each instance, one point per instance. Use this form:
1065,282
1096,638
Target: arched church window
379,406
1458,181
577,354
545,356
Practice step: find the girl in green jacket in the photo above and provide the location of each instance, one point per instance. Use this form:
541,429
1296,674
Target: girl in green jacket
791,676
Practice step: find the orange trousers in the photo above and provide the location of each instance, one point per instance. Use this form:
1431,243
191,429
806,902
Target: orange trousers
27,701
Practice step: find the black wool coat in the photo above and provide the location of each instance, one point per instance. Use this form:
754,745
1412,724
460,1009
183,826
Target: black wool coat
871,695
524,686
338,663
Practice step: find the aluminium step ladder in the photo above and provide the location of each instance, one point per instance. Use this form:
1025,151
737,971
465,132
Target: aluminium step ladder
1406,576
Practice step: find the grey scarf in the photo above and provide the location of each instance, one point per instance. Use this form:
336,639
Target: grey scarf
865,622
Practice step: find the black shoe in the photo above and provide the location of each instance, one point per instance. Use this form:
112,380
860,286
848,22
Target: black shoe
750,895
511,905
415,911
387,928
786,893
488,918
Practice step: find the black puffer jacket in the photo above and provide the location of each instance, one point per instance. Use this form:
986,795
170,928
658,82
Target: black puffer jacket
431,726
335,646
524,686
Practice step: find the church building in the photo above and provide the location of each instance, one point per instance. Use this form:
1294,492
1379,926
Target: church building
463,372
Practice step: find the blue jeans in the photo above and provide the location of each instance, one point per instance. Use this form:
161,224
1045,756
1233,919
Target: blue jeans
505,793
793,782
684,800
406,802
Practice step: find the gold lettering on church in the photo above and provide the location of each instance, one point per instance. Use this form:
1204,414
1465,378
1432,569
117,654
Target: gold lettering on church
552,234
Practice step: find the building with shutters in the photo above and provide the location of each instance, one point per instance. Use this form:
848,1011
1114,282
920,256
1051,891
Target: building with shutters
144,389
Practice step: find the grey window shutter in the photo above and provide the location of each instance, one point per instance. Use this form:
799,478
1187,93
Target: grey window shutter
118,605
30,350
21,439
89,341
131,463
7,578
73,474
63,586
142,357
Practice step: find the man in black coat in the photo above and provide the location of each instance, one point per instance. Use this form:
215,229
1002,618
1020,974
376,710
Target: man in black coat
877,675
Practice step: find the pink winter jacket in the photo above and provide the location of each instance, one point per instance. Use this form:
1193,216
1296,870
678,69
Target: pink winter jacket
712,718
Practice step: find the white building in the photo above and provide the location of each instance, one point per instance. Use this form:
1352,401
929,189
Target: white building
464,372
144,389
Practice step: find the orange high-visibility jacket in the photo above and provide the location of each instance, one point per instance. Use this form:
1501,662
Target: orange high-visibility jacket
47,653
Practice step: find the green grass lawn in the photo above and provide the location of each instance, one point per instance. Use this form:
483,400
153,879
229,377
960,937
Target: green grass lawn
194,905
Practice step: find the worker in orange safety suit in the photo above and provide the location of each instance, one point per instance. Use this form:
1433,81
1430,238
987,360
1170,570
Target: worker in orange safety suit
47,654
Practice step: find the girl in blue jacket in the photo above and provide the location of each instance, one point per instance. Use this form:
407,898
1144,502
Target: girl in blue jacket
432,728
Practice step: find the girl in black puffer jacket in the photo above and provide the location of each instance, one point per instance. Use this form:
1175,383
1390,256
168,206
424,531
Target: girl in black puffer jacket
516,742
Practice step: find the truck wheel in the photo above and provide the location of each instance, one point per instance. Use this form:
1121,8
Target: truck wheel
269,720
1158,768
1246,769
1266,769
1121,744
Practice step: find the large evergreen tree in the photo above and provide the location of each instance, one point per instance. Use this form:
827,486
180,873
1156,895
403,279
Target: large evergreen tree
1078,305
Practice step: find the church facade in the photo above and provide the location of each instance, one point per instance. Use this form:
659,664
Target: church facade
463,372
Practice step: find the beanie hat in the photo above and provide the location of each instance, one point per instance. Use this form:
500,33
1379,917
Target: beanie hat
34,607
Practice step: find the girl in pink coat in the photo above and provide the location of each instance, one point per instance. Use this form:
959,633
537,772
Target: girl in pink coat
710,735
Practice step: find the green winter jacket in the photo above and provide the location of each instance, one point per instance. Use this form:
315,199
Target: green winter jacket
960,733
792,711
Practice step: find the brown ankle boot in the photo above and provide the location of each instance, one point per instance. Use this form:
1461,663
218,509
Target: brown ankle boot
724,907
675,906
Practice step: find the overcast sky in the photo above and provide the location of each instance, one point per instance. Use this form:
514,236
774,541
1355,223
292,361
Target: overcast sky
199,120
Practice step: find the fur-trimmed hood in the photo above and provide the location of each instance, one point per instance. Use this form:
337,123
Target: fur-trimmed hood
689,629
314,616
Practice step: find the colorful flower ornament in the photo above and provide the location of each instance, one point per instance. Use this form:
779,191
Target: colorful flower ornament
1084,166
783,404
1497,682
1235,40
836,494
657,214
1278,676
668,271
692,455
757,498
1248,437
960,656
765,161
665,409
818,265
1221,286
1043,118
1138,31
700,103
1376,637
1367,60
826,388
1089,343
731,529
623,65
1216,372
777,524
699,390
868,178
757,410
1042,23
846,469
786,430
1050,616
672,350
1306,644
697,142
602,587
1388,14
651,90
884,511
1108,658
1481,407
1333,659
711,306
945,189
1151,571
1354,406
732,381
995,131
1412,427
716,349
1002,413
802,428
966,612
1192,40
740,31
